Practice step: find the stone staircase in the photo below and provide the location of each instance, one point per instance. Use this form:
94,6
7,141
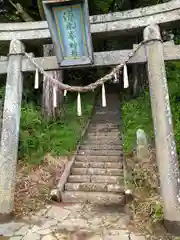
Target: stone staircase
97,173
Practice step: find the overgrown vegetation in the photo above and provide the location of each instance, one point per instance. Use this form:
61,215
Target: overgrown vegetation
147,208
39,137
137,112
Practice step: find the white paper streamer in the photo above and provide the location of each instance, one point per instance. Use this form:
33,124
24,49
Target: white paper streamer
79,110
54,96
103,96
125,73
115,78
36,82
65,93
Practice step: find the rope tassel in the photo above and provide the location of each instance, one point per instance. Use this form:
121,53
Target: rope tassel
125,73
79,110
115,78
36,82
54,96
65,93
103,96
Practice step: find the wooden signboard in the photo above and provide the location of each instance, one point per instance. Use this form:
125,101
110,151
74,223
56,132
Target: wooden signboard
70,30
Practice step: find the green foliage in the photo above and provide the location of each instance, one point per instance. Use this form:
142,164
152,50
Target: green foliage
137,112
38,137
99,6
157,212
173,73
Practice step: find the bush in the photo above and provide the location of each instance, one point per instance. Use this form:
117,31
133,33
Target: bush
38,137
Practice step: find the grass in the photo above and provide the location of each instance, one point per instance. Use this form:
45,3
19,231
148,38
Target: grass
38,137
137,112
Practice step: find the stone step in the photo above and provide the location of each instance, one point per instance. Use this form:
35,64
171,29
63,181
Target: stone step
107,179
103,134
103,198
107,125
82,158
117,165
109,121
79,178
95,179
103,142
107,108
100,152
100,147
107,132
104,117
105,113
103,130
102,137
96,171
94,187
108,112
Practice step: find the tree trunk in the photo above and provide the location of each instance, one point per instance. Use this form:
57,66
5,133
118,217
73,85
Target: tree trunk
41,10
49,112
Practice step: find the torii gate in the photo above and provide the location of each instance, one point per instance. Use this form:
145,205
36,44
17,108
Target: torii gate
154,53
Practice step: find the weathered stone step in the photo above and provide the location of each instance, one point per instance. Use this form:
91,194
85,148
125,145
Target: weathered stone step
104,198
96,171
94,187
108,108
103,141
112,121
105,117
100,152
103,130
104,134
95,179
102,137
100,117
100,147
82,158
107,125
79,178
116,165
107,179
109,113
107,132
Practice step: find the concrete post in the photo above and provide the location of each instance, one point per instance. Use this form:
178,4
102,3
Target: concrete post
10,128
163,127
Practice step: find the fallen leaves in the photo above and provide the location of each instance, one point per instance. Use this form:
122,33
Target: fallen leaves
34,183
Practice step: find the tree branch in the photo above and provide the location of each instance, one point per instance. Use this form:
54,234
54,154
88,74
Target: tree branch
21,12
41,9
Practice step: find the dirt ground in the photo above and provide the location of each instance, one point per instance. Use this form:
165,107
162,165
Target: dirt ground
146,209
33,184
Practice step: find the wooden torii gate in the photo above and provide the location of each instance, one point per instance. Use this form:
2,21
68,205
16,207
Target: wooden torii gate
146,20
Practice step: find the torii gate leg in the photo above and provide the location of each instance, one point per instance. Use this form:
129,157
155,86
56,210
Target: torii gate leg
163,127
10,128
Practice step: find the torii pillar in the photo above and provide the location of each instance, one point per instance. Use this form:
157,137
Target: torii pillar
163,127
